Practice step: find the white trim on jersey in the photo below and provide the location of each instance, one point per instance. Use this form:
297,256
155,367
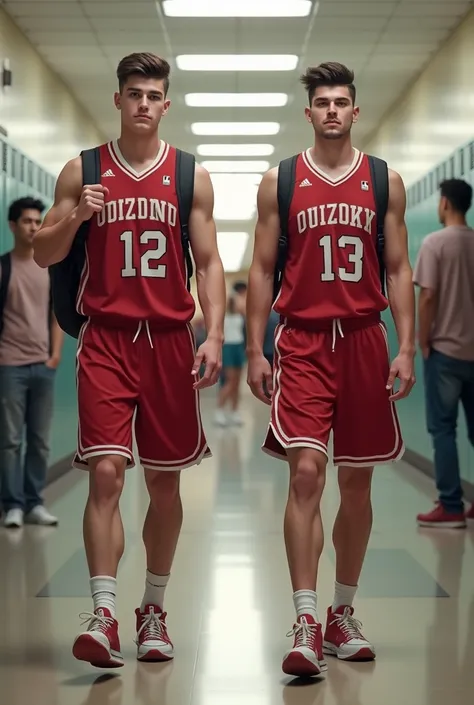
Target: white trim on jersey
122,163
393,456
356,162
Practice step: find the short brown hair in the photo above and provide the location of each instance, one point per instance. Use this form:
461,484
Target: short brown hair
143,64
328,74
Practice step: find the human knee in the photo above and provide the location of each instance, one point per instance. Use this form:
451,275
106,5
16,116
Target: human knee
163,487
107,479
308,476
355,486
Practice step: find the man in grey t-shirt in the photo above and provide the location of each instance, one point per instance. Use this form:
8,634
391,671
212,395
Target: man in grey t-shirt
30,351
445,274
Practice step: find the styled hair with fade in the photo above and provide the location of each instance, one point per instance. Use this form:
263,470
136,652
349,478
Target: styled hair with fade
143,64
330,73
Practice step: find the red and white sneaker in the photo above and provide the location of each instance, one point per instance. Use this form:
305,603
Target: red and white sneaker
439,517
99,645
306,657
152,639
343,637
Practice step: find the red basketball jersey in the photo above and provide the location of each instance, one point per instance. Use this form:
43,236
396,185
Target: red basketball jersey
135,268
332,269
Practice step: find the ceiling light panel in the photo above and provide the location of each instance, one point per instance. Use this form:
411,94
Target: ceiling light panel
235,128
235,150
237,8
237,62
241,167
236,100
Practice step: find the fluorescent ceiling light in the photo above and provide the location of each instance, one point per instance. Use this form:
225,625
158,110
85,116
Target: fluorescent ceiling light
235,128
236,167
235,196
235,150
232,248
236,100
237,8
237,62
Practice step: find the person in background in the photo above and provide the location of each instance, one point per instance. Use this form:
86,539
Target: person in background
233,357
444,272
30,351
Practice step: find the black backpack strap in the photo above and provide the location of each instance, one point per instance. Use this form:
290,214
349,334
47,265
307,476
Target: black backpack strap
6,269
285,188
379,174
185,167
90,175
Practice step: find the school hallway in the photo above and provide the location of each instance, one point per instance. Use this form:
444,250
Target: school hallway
229,598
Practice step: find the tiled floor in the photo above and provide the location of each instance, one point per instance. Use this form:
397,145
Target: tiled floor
229,599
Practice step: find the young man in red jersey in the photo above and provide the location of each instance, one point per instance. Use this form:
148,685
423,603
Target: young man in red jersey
136,351
332,368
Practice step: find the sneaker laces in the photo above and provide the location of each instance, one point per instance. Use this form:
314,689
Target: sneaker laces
348,624
304,633
153,627
97,622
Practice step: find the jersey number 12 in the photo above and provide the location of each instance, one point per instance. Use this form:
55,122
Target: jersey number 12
150,256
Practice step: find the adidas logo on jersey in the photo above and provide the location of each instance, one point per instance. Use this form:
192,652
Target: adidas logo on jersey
305,182
109,172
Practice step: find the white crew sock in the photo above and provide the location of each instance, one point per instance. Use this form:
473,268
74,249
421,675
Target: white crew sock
104,590
343,596
306,602
155,586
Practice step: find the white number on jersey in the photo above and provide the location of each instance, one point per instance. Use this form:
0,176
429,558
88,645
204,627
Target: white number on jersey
151,255
355,257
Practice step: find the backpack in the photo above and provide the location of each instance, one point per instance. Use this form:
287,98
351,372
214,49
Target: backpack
285,188
66,275
5,274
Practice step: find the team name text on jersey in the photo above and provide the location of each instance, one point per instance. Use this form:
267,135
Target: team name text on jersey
335,214
125,209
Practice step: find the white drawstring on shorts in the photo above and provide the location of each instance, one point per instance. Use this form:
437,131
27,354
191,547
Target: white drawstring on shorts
336,328
140,325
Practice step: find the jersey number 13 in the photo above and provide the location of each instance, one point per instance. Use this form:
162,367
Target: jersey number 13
355,257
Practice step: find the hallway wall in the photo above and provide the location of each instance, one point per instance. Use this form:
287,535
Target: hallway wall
38,111
427,137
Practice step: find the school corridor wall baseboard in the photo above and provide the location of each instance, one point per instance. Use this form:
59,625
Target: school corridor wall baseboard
427,468
59,468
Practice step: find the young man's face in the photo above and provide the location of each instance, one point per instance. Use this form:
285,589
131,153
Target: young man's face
25,228
332,112
142,104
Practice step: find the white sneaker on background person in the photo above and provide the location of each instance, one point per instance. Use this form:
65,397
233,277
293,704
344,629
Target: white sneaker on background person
220,418
39,515
13,519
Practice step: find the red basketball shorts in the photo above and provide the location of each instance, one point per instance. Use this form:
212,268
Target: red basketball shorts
334,379
145,372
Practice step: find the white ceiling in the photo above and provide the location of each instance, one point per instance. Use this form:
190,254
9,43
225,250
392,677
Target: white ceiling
386,42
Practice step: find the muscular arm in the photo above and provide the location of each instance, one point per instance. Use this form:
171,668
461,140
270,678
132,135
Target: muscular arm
57,340
209,269
53,240
260,287
401,294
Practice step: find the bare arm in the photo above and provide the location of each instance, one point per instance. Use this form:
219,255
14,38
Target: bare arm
210,278
400,287
427,306
260,288
401,293
53,240
209,269
57,340
73,204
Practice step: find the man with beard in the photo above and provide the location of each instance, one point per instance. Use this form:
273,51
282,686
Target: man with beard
332,370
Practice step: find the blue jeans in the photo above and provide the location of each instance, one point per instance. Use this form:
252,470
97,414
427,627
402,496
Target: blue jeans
26,410
448,381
